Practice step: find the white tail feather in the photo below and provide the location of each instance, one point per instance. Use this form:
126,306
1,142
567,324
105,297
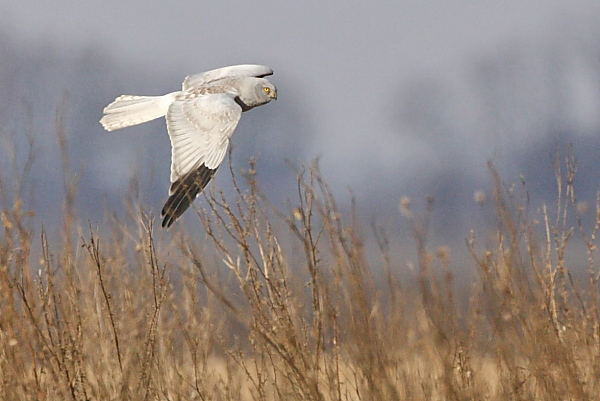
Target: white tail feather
129,110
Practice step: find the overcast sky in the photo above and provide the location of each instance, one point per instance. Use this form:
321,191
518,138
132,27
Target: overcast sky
349,59
346,64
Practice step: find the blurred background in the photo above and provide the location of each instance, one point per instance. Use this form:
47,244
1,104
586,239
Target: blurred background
395,99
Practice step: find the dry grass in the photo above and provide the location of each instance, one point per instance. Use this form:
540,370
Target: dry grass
274,304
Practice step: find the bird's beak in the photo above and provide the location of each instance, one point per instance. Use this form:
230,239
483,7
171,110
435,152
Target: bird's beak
273,94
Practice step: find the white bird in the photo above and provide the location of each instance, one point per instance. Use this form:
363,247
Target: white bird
200,120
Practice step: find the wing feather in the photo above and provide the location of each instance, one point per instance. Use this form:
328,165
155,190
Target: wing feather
185,191
199,128
243,70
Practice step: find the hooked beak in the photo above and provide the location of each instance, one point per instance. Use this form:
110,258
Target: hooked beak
273,94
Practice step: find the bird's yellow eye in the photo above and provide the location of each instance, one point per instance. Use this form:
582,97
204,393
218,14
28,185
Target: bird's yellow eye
266,89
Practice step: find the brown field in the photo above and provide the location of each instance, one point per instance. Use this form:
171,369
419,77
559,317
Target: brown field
271,304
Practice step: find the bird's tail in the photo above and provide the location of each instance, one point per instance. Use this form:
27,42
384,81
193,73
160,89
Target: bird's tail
129,110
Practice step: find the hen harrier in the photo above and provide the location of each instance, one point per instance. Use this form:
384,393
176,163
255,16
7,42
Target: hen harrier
200,120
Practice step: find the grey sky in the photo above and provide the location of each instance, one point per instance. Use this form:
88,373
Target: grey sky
349,59
350,66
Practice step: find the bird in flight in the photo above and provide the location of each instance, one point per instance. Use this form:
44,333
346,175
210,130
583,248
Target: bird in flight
200,120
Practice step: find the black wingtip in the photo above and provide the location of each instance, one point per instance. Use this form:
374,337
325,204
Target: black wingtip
167,221
185,190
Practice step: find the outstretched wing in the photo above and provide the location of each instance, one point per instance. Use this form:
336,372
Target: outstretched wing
199,129
243,70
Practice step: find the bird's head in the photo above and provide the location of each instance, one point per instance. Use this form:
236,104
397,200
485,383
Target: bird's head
265,90
269,90
255,92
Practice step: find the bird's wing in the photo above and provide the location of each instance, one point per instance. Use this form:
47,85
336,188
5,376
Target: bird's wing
199,129
243,70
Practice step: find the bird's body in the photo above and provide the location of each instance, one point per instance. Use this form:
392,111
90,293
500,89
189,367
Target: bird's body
200,120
